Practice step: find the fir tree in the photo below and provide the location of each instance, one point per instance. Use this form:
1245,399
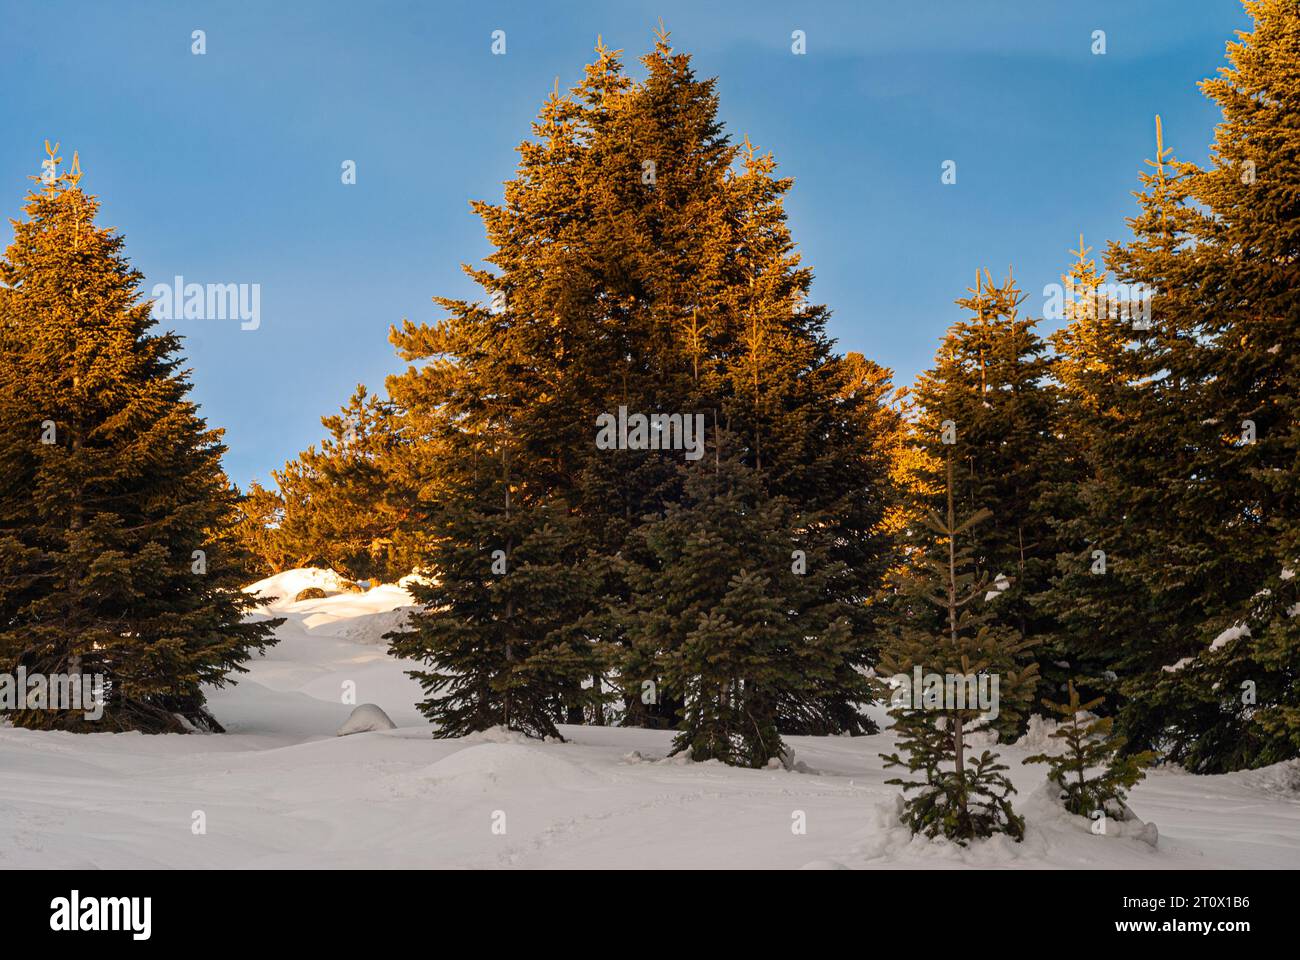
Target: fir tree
491,417
1091,771
496,629
1096,600
1211,500
1151,498
349,505
961,795
1138,575
989,391
642,260
1244,711
114,512
711,265
1233,704
256,532
737,615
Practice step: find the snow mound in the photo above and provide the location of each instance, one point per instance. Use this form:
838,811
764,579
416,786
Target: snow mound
280,589
1052,835
1280,779
364,719
787,761
1038,736
680,759
891,841
342,620
358,617
417,578
1047,810
499,734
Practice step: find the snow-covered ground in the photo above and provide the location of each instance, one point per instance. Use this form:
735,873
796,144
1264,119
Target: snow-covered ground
279,789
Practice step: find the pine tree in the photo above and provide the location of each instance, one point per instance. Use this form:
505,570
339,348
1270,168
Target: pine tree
961,796
114,512
1091,772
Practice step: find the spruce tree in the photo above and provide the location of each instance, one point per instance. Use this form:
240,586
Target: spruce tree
960,795
737,615
493,417
1096,599
1243,708
256,532
497,632
989,389
1211,503
1153,510
114,511
642,260
349,505
730,331
1091,771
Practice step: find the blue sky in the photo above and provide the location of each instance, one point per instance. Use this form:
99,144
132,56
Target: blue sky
225,168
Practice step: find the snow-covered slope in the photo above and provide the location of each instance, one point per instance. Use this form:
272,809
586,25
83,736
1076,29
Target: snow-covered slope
280,789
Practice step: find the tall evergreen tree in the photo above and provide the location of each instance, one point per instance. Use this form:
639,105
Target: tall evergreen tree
498,634
492,421
1150,500
1220,250
1247,274
1133,586
1097,600
114,511
988,401
641,260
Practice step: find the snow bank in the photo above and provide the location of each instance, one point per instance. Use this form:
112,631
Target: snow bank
281,588
1280,779
282,791
1053,836
358,617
